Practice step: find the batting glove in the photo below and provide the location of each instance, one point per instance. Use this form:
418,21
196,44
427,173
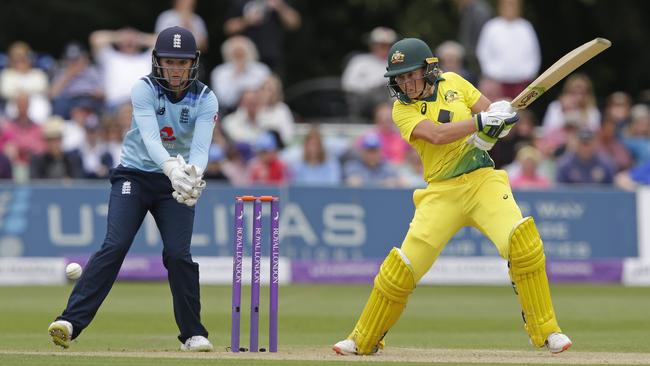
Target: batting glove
482,141
504,107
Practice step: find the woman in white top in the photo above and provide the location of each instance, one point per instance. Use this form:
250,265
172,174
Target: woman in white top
577,96
275,114
240,71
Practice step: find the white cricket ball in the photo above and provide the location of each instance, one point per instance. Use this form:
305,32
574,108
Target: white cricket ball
73,271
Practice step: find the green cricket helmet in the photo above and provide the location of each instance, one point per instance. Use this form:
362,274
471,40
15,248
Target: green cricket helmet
407,55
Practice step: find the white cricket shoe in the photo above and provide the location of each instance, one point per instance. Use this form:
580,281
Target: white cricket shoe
61,333
558,342
345,347
349,347
197,344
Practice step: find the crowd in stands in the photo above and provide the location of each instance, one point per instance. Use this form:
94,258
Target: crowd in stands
66,119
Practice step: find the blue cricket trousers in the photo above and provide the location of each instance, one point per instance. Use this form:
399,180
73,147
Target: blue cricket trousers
133,193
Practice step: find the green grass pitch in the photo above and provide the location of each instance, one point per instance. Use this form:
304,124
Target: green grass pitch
135,326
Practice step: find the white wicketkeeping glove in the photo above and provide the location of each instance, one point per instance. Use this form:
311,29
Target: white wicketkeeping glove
505,107
191,196
174,169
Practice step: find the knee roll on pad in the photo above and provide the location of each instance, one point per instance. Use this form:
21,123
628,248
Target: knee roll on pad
528,273
393,284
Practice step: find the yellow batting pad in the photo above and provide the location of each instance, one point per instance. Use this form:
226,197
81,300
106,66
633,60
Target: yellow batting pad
528,274
393,284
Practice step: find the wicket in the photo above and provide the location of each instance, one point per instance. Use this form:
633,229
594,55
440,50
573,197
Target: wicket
256,254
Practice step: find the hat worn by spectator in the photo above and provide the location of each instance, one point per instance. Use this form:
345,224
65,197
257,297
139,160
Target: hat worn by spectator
383,35
73,51
53,128
371,141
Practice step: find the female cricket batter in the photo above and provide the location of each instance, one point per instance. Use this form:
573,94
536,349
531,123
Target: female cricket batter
434,112
173,118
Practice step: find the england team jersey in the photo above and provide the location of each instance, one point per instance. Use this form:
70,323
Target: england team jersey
161,129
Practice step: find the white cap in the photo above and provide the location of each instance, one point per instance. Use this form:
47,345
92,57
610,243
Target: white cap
383,35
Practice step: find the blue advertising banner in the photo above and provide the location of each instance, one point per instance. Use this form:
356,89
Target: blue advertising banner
316,224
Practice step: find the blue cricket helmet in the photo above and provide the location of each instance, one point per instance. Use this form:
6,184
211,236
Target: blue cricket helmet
175,42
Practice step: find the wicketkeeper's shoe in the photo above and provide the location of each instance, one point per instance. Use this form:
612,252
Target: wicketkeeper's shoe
558,342
197,344
61,333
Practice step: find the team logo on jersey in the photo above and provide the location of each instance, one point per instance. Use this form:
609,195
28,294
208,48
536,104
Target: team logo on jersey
397,57
185,115
167,134
451,96
177,41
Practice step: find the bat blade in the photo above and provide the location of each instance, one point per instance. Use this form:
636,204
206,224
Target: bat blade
559,70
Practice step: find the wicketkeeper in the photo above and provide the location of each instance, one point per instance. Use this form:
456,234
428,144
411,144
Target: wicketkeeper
163,157
452,126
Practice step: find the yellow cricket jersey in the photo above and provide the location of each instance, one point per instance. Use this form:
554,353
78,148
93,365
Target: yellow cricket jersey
452,103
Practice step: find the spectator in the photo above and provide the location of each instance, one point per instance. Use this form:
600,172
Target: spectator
246,124
266,168
124,65
6,170
214,169
637,134
393,147
23,137
473,15
316,167
124,117
523,133
234,167
610,145
411,171
451,57
555,141
363,78
20,78
265,23
631,179
508,50
183,15
113,140
584,165
54,163
617,109
74,130
95,157
274,111
240,71
527,174
577,98
371,169
77,80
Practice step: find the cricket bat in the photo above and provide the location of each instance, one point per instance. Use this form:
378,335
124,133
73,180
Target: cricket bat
559,70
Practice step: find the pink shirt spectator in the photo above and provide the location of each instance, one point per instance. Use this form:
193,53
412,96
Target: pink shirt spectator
393,148
22,140
527,182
